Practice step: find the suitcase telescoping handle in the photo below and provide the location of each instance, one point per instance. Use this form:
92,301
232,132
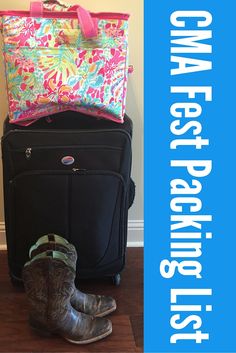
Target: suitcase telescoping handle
88,24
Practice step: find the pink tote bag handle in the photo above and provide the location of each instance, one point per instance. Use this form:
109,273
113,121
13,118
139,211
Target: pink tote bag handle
36,9
88,24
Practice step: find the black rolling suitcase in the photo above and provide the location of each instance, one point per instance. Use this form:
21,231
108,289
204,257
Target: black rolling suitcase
70,175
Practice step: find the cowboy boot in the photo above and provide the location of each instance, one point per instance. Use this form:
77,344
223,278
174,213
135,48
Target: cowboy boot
95,305
49,285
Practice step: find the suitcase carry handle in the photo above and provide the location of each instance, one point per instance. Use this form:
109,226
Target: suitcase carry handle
88,24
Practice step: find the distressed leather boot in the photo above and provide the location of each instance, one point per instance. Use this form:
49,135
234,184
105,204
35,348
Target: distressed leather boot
49,285
95,305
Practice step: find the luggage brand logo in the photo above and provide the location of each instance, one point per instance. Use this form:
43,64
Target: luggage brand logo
67,160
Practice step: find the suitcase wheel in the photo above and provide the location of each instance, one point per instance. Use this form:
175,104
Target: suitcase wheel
116,279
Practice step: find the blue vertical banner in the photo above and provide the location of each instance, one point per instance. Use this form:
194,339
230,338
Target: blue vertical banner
190,176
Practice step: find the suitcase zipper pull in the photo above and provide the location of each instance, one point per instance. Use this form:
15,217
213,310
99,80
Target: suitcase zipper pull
28,152
79,170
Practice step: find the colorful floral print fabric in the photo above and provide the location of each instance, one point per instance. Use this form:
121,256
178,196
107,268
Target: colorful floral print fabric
51,67
58,5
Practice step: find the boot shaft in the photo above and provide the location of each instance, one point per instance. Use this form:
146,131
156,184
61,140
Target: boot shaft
49,284
54,242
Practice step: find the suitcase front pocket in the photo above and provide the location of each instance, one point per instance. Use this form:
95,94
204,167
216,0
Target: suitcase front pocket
86,207
51,157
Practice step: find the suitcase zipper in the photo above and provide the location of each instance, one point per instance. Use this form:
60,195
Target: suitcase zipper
28,151
95,131
70,172
80,170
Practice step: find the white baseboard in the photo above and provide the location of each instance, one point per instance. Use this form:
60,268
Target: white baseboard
135,244
2,236
135,234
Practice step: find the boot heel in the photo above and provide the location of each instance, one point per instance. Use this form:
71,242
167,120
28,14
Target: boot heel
40,332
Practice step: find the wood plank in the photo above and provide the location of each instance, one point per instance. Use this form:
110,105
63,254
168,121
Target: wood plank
137,328
16,336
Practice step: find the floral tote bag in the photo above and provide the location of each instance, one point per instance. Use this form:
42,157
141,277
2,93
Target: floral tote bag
61,57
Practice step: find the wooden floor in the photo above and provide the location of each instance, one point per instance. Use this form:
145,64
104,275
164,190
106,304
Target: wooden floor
127,336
